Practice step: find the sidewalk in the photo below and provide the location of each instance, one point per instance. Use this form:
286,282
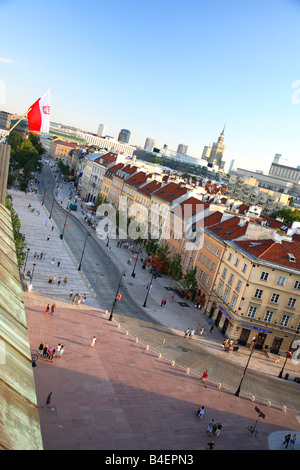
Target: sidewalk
121,395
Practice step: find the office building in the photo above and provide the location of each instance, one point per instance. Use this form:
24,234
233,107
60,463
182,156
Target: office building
124,136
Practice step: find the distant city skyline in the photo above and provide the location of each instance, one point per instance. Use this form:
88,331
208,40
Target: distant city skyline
188,69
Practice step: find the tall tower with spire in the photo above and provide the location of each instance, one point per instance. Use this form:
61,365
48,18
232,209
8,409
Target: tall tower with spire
217,151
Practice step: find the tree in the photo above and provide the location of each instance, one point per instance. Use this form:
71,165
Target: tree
19,240
287,215
175,270
36,142
25,157
189,283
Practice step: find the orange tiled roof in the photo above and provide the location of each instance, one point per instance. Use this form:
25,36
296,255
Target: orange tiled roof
229,229
285,253
170,192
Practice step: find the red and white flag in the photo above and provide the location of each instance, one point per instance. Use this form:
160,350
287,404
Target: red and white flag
39,114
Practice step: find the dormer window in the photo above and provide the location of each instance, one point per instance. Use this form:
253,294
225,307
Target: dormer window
292,258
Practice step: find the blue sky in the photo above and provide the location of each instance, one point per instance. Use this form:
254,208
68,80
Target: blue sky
171,70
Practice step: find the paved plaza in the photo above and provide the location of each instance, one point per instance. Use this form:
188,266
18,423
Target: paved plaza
126,393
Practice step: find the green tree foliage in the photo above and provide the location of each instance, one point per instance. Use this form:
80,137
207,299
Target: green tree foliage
19,241
287,215
25,154
65,170
175,270
189,282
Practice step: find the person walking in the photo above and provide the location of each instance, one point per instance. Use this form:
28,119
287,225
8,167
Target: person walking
41,347
186,332
48,400
58,349
210,427
62,349
47,309
93,342
65,280
53,308
191,333
286,440
204,376
71,293
292,441
58,262
200,412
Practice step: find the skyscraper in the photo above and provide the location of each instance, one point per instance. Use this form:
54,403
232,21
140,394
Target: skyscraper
124,136
217,151
101,130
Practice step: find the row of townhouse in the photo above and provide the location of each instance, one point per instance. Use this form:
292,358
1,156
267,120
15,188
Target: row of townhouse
248,274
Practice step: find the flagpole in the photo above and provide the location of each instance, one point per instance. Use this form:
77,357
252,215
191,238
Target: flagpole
9,131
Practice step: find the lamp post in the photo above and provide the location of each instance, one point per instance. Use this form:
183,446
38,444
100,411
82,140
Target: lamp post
87,235
115,299
28,249
62,234
288,355
237,393
133,271
148,289
33,267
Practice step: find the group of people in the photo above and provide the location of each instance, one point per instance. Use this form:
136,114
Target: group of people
76,298
189,333
50,353
289,441
53,308
213,427
52,280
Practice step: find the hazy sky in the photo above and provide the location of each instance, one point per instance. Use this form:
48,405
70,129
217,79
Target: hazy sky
170,70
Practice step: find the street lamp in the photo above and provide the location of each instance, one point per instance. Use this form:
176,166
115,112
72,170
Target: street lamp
28,249
133,271
87,235
288,355
62,234
115,299
237,393
148,289
33,267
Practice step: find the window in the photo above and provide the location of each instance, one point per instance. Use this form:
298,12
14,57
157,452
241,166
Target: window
236,263
208,246
291,302
226,294
268,316
200,274
229,257
244,268
239,285
252,312
200,257
208,263
212,267
217,252
219,288
258,294
285,320
264,276
208,281
230,280
204,260
275,298
224,273
281,281
203,278
233,301
297,285
212,249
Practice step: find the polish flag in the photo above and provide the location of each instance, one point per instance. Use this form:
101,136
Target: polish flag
39,114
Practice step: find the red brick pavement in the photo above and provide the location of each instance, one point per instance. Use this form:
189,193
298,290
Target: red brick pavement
119,396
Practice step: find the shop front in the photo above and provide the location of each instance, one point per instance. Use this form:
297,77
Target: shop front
251,331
